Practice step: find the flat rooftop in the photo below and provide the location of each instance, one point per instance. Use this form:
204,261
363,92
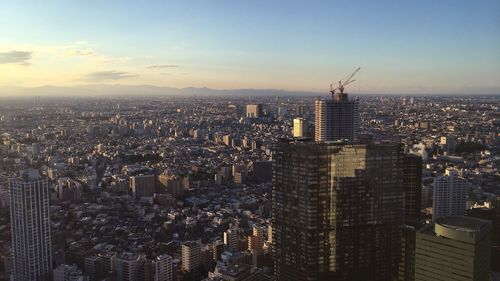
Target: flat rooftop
463,223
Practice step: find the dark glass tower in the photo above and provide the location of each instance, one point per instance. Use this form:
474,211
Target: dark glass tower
337,211
412,185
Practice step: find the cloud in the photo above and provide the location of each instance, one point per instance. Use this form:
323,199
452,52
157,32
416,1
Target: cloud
19,57
108,75
162,66
81,52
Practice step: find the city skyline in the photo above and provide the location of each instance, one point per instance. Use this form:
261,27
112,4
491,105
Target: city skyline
410,48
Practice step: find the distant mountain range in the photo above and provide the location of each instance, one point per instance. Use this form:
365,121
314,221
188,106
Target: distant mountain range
149,90
142,90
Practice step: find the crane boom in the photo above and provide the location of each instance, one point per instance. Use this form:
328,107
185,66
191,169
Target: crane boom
350,77
345,82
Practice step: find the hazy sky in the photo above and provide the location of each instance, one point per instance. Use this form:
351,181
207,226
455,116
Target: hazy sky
445,46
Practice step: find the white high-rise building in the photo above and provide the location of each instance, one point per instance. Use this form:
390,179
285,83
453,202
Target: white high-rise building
162,268
449,195
30,227
336,119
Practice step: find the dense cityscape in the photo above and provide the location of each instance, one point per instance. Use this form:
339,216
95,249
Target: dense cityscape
250,188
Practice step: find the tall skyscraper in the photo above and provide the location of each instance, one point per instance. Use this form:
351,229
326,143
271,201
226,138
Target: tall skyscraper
453,248
450,195
337,211
30,223
299,127
337,119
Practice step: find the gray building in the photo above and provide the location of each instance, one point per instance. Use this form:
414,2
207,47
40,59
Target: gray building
30,222
336,119
449,195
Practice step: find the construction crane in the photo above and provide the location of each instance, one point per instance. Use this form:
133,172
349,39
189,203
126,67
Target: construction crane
344,82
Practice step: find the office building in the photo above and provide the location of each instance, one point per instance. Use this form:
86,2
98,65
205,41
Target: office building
93,268
162,268
337,211
256,240
412,186
30,227
231,239
69,189
66,272
129,266
299,128
100,266
227,139
453,248
406,265
172,184
336,119
449,195
35,149
254,111
191,257
492,214
142,185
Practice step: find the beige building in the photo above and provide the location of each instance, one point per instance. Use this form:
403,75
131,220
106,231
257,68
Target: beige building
299,128
173,184
191,256
254,110
256,240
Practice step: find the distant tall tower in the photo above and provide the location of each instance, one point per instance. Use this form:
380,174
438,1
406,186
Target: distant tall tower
30,220
449,196
337,211
337,119
454,248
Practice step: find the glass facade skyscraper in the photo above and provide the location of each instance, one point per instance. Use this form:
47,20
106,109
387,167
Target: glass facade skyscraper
337,210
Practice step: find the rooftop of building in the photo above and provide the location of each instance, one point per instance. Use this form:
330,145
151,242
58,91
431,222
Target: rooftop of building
462,223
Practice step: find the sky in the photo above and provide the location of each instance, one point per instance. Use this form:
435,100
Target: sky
402,46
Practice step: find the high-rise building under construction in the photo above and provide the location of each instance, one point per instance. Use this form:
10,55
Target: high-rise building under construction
336,119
